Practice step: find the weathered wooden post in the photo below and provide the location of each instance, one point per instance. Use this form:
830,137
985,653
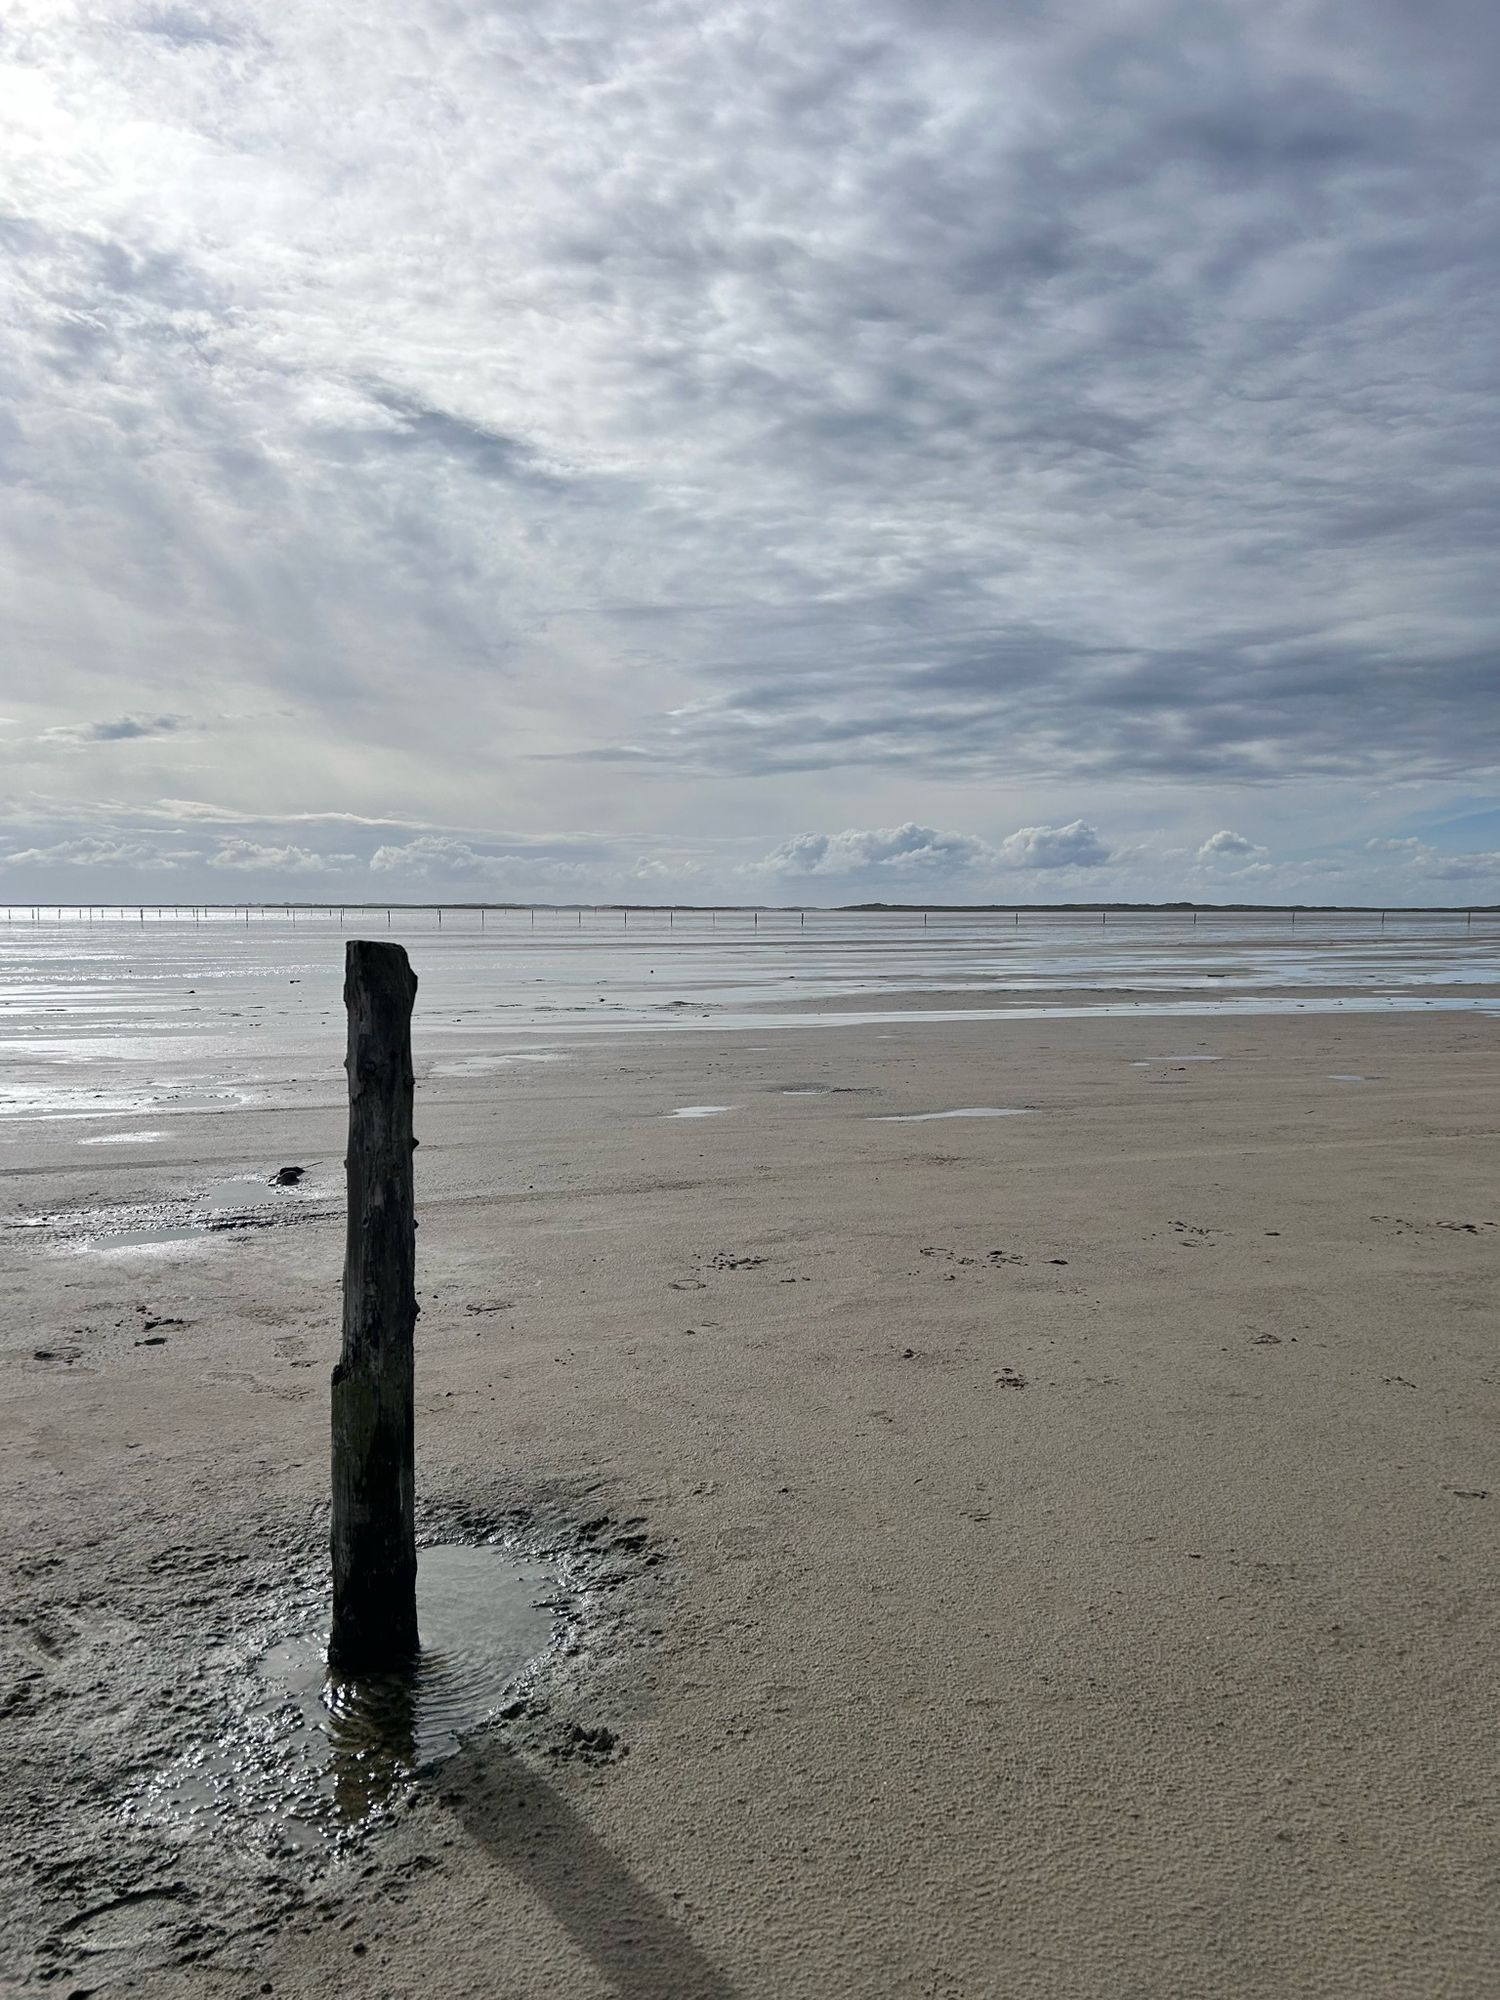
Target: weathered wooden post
374,1526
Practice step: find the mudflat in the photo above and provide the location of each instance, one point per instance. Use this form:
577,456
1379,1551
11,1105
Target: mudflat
1047,1555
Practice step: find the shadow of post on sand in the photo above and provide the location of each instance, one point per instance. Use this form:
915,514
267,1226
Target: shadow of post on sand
621,1926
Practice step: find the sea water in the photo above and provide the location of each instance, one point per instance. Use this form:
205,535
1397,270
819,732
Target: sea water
117,1019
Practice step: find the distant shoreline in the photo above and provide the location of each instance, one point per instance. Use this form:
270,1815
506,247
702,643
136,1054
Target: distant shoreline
325,908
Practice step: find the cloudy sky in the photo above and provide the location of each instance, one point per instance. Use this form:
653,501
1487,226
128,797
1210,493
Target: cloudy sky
1036,449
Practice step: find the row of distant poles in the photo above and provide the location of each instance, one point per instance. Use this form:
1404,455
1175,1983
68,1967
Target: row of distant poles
248,913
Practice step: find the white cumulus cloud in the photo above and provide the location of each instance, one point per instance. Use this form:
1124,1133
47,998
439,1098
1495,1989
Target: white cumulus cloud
101,851
289,860
511,869
1225,842
914,850
432,854
1076,845
1430,863
908,849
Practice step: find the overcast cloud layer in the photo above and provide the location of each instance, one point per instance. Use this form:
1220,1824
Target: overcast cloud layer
755,450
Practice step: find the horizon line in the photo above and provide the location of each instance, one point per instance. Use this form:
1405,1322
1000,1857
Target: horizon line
288,905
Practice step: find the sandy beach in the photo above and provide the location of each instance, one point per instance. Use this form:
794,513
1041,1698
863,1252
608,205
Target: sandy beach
1048,1556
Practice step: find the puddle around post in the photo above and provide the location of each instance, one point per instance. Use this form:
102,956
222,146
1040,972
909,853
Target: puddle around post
311,1757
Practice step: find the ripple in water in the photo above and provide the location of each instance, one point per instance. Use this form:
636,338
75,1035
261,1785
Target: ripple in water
312,1757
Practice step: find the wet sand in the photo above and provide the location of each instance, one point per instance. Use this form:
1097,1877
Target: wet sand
1022,1556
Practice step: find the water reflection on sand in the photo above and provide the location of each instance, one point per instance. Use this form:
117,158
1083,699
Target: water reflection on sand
106,1021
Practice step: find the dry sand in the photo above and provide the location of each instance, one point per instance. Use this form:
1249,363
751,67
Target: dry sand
1069,1541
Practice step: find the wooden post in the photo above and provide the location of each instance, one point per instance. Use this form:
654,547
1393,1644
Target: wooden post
374,1527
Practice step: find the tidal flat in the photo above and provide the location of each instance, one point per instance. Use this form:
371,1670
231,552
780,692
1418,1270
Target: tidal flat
1009,1555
